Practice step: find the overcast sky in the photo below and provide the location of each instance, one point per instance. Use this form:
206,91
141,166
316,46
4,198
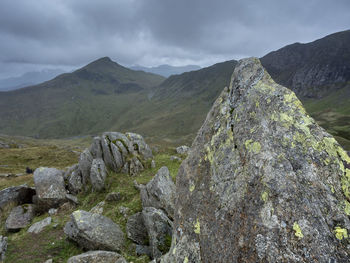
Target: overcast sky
38,34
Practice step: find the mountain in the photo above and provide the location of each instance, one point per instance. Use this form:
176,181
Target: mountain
319,73
87,101
167,70
28,79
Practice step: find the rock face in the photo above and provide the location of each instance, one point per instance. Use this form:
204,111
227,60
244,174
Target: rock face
136,230
98,174
3,247
263,182
159,192
19,218
97,257
94,231
37,227
16,195
50,188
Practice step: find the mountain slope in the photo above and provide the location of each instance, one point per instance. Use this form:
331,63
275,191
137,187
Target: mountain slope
167,70
83,102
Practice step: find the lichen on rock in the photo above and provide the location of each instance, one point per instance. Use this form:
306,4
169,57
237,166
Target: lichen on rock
262,182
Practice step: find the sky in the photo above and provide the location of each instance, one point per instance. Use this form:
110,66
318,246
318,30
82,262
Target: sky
67,34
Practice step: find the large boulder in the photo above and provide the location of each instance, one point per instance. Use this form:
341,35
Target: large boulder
98,174
20,217
75,182
136,230
93,231
85,161
160,192
50,188
16,195
3,247
97,257
262,182
159,229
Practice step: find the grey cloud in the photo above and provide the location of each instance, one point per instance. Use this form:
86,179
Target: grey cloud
151,32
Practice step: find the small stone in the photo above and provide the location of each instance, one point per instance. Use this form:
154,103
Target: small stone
153,164
37,227
98,209
52,211
175,158
124,211
113,197
97,257
182,149
72,198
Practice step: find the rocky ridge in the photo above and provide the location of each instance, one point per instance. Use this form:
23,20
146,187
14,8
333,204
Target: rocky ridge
262,182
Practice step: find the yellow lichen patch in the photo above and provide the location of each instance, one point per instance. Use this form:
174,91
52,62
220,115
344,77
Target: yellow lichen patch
186,260
252,146
286,119
347,207
298,233
174,250
265,87
341,233
257,104
192,187
265,196
197,227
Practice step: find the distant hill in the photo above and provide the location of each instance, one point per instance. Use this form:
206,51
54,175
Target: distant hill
167,70
319,73
28,79
87,101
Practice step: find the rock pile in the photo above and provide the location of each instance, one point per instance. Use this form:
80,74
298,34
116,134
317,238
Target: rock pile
263,182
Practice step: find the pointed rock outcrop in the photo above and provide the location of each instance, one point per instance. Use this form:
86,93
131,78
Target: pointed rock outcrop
262,182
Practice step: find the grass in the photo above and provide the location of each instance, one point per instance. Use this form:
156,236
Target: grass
24,247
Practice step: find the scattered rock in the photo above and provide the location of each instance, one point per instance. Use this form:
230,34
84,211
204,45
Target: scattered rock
75,182
94,231
72,198
98,209
52,211
37,227
175,158
153,164
98,174
114,197
3,247
136,230
97,257
182,149
50,189
124,211
19,218
159,229
160,192
262,182
70,170
5,175
16,195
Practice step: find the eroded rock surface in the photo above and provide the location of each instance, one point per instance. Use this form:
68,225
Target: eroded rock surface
93,231
136,230
16,195
262,182
98,174
3,247
19,218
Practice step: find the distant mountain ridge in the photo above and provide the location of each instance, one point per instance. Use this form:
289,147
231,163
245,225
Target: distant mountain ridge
28,79
167,70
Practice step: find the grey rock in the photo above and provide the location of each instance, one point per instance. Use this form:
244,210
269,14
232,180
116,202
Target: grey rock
94,231
262,182
182,149
160,192
37,227
124,211
19,218
136,230
159,229
70,170
175,158
49,261
75,182
143,250
50,189
96,148
98,209
98,175
135,166
16,195
139,145
52,211
72,198
153,164
113,197
3,247
96,257
85,161
107,153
